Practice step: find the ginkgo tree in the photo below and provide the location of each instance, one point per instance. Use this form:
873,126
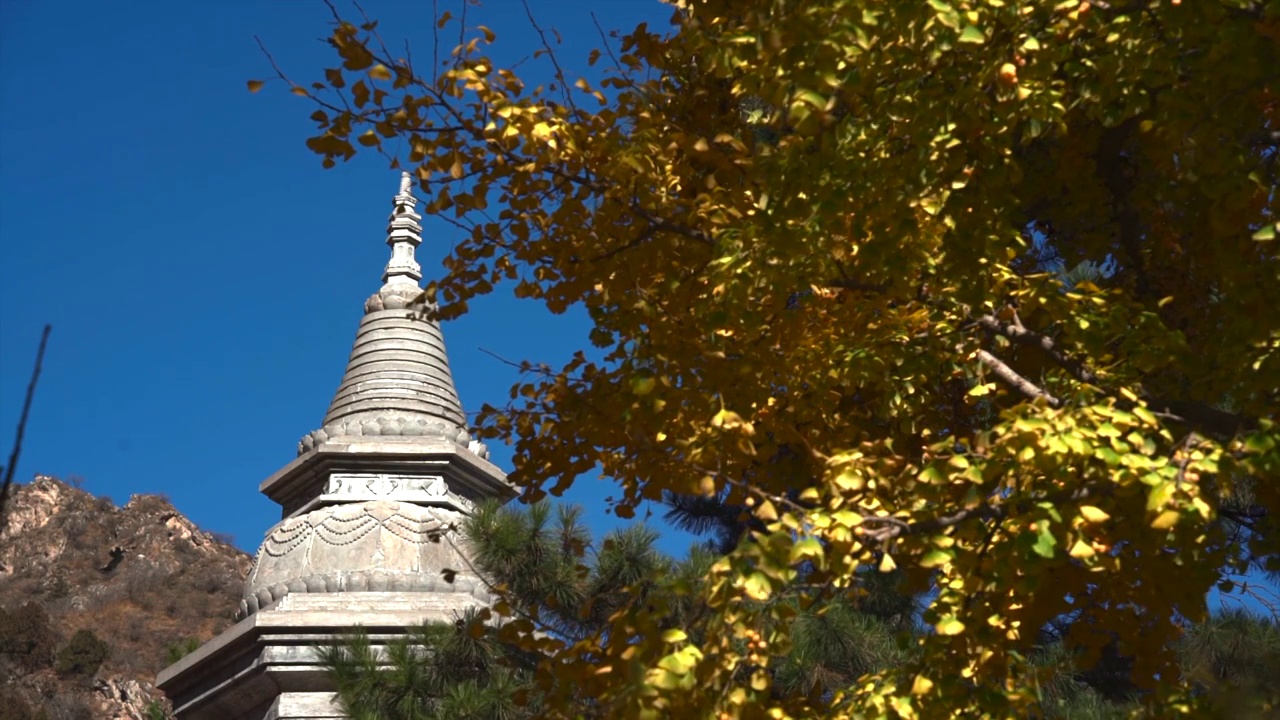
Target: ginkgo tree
816,241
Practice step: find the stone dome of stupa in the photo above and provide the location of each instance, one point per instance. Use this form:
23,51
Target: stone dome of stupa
373,546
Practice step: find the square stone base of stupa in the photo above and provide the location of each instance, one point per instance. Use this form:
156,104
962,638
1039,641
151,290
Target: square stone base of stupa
266,667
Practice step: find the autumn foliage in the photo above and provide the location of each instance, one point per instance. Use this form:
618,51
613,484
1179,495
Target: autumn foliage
822,246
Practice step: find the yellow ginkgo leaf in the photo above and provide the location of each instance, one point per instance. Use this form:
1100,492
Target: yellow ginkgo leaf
1081,550
1093,514
1166,520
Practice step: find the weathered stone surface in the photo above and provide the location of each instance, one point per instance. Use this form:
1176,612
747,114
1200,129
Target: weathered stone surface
305,706
267,666
379,545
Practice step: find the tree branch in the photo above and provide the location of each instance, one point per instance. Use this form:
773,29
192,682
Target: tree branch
1196,415
1011,377
891,528
22,423
1021,335
1204,418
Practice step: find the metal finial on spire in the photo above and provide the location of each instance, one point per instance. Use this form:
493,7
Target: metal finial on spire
403,235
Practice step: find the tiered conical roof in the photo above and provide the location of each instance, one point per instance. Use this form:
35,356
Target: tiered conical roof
397,383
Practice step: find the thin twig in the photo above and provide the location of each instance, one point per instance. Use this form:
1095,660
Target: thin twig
891,528
462,34
22,422
564,79
505,361
604,42
435,37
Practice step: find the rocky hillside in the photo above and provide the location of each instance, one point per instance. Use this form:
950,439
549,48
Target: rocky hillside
95,599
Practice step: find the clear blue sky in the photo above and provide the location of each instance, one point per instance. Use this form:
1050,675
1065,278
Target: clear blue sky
203,275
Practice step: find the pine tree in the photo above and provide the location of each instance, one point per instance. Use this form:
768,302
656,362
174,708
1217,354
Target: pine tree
459,671
464,669
1234,659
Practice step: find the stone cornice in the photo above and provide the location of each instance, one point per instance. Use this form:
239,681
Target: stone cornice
298,486
272,655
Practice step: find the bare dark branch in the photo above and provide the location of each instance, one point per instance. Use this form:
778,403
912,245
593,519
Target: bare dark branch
22,422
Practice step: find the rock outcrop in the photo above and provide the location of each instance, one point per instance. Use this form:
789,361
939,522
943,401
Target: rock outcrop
95,599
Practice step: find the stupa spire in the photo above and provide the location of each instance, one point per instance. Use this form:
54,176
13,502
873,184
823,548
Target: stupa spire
397,384
404,234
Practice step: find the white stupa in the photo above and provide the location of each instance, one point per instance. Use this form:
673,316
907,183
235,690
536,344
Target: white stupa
370,510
